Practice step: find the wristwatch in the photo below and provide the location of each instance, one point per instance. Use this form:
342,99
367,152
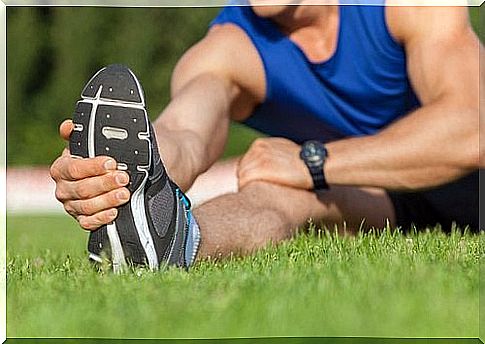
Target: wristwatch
314,154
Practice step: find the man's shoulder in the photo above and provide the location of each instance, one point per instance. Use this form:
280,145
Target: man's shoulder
227,35
409,22
223,47
227,50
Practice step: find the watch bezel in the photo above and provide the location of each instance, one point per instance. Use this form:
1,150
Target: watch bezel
313,153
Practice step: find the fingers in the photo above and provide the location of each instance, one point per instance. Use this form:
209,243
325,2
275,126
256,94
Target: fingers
255,169
97,220
251,168
90,187
68,168
274,160
97,204
249,176
65,129
254,163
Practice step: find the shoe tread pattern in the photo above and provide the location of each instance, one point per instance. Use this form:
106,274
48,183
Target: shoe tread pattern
115,83
133,151
78,142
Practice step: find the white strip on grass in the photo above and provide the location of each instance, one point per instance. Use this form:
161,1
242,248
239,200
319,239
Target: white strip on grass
31,190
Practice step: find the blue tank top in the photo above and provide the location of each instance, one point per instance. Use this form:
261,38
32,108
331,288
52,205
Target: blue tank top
362,88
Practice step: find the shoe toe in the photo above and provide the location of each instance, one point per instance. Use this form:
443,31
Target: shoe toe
118,83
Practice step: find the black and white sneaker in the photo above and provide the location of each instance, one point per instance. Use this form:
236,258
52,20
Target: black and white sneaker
156,226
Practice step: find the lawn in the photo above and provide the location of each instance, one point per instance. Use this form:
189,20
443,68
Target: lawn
378,284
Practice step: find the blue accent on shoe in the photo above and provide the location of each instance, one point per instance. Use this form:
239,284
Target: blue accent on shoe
184,198
193,232
193,239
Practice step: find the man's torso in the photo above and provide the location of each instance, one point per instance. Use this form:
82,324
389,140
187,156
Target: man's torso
352,82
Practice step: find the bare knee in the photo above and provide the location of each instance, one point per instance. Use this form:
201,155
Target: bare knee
240,223
295,205
342,206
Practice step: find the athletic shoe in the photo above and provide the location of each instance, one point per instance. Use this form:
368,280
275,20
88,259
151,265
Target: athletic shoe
156,226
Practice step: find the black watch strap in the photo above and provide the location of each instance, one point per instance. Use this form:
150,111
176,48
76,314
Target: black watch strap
314,154
319,181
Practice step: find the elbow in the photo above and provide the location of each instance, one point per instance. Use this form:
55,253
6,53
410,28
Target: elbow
479,162
473,154
475,160
479,158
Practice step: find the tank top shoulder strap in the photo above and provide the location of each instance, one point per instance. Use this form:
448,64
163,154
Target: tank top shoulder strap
260,30
274,49
365,26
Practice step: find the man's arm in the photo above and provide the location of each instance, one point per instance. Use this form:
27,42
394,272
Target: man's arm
207,90
436,144
440,141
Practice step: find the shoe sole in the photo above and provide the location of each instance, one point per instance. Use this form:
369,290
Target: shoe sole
111,120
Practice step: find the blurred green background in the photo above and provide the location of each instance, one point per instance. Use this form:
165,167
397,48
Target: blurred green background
52,52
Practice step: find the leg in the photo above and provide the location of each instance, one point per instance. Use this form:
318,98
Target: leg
219,180
261,213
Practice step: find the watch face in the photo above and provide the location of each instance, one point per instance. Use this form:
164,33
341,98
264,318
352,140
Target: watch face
313,152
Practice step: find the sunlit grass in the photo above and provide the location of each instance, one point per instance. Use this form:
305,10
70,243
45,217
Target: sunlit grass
382,283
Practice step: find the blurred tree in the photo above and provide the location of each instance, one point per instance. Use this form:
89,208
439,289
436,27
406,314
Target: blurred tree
52,51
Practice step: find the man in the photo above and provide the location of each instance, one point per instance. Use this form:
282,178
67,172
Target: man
392,92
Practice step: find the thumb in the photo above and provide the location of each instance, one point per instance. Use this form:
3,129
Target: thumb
65,129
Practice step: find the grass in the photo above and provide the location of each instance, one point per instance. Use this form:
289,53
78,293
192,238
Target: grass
376,284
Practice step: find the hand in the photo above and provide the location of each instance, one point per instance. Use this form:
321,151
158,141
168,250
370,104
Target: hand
275,160
90,189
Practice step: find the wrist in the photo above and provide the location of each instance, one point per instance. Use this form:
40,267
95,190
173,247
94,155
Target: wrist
336,169
306,180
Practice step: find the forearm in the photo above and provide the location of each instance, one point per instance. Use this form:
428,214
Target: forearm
431,146
192,130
